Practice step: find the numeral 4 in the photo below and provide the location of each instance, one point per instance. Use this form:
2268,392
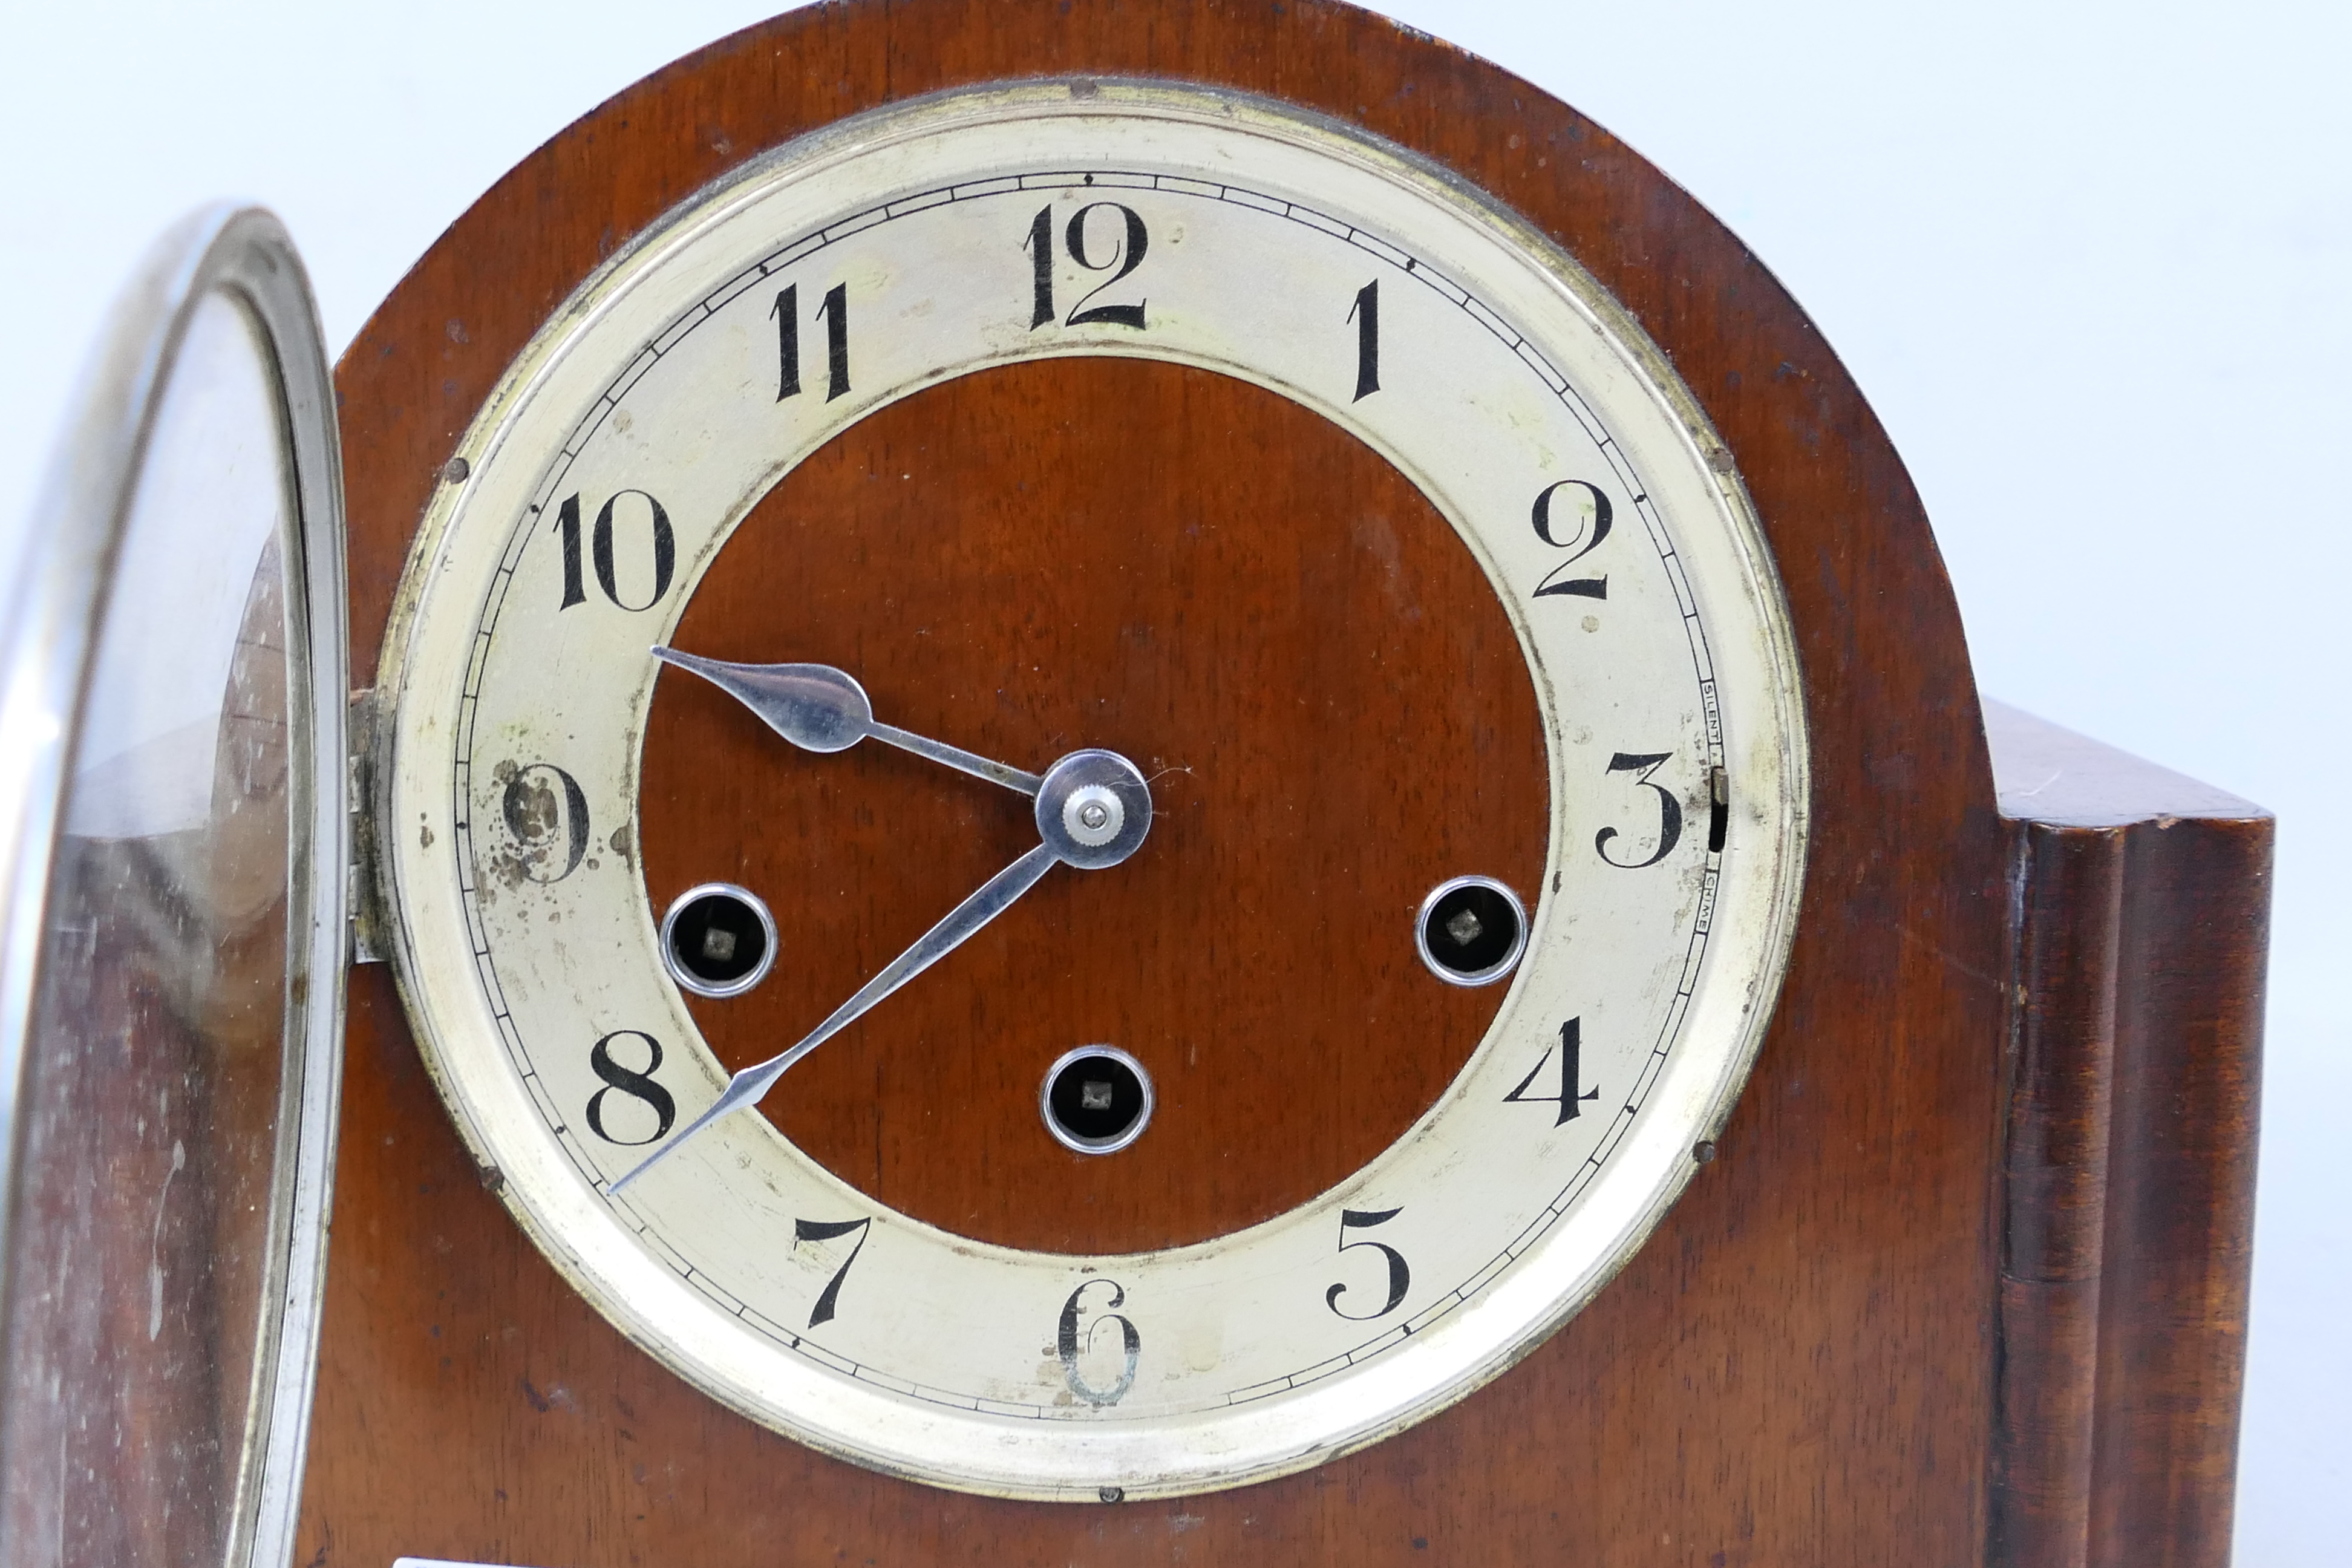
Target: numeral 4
1571,1063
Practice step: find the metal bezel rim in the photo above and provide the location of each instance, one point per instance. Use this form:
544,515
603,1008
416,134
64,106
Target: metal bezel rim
50,643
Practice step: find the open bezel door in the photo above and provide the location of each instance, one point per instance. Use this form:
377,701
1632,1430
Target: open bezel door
174,851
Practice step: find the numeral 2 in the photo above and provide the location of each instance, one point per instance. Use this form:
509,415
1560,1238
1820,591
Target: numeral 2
1400,1277
827,1230
1547,530
1127,257
835,312
1572,1072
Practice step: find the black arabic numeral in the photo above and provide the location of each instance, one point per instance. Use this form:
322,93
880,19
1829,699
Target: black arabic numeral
637,1086
1572,1072
1040,246
827,1230
600,548
1669,810
542,811
1400,1277
788,341
1365,313
600,551
567,523
1547,530
1067,1342
1126,258
836,311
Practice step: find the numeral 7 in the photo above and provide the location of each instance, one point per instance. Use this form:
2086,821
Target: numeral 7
827,1230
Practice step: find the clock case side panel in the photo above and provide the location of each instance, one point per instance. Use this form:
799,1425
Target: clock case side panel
2140,921
1796,1367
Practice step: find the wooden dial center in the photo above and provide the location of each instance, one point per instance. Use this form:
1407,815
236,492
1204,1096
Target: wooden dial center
1152,558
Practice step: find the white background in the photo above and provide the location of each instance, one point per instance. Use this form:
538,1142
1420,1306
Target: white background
2090,262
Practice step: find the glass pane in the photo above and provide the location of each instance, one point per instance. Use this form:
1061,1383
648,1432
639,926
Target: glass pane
156,1068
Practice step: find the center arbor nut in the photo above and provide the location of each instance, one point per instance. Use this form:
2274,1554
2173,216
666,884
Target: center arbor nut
1093,816
1094,809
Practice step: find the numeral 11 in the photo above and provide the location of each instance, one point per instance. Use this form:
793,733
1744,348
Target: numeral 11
835,314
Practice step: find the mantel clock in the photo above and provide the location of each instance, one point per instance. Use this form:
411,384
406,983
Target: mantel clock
1122,782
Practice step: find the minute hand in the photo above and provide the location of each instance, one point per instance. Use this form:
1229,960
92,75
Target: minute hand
994,897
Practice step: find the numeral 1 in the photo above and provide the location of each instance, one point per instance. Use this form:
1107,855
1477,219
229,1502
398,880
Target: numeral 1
1365,313
836,311
1040,246
788,341
1572,1072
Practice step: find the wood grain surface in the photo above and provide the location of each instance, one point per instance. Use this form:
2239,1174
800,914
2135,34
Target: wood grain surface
1798,1368
2142,927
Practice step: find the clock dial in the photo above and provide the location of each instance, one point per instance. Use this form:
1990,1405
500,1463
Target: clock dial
772,433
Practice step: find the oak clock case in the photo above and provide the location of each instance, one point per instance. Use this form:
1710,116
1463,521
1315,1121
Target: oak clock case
562,649
172,776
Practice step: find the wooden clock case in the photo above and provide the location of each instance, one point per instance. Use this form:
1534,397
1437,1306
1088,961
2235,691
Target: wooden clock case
1966,1279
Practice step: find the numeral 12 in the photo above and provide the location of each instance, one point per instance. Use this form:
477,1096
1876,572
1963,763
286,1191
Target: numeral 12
1133,241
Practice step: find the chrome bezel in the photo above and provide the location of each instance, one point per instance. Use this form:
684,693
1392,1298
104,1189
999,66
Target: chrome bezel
51,642
1071,1140
684,978
1496,971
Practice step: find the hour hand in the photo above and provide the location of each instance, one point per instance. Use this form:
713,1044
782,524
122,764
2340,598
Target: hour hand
820,709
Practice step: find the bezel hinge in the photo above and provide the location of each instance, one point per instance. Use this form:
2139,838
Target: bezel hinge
371,931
